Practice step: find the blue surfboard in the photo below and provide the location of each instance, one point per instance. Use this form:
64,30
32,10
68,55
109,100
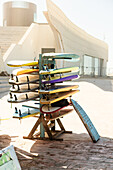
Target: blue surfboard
25,112
86,121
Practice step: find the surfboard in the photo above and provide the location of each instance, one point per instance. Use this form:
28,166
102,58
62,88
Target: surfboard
21,71
61,56
25,112
60,70
58,88
86,121
23,79
45,109
14,98
32,104
57,115
24,88
21,63
66,78
57,97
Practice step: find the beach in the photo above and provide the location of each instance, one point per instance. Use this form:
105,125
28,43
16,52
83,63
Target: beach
76,151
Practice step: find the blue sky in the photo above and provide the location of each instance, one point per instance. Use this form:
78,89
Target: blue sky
93,16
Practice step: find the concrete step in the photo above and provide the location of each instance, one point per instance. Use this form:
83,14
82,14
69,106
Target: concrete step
4,84
4,89
10,35
6,78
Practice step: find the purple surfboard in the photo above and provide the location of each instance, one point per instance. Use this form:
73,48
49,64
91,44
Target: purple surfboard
61,79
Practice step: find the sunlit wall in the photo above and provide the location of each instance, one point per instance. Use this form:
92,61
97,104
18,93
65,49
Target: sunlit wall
76,40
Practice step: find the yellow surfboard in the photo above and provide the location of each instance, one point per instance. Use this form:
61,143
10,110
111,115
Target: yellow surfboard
20,63
60,88
21,71
58,71
57,97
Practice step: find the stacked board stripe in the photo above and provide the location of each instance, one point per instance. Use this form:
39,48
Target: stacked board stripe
66,78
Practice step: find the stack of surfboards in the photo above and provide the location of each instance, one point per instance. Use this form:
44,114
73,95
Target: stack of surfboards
55,93
47,88
24,86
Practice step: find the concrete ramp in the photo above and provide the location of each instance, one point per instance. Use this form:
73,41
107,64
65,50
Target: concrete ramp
86,121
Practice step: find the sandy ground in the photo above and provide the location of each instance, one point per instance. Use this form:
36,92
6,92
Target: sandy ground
77,151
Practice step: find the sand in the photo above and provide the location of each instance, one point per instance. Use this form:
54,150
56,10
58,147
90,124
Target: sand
96,98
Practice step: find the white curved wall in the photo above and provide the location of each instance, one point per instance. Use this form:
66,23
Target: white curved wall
74,39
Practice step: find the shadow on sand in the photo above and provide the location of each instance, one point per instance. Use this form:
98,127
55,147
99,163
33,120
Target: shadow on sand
5,141
76,151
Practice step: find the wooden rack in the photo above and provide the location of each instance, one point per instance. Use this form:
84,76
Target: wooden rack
47,124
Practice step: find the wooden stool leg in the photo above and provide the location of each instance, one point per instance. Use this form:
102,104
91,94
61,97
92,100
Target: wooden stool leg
60,124
46,128
30,136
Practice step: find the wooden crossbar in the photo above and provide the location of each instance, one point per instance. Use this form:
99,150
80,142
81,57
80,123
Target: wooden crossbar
49,128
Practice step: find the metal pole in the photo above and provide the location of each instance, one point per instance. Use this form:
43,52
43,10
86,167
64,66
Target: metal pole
42,130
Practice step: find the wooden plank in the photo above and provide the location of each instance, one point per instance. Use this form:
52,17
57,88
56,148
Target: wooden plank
60,124
47,128
58,134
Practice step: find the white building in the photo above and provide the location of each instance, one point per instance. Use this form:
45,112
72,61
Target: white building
60,35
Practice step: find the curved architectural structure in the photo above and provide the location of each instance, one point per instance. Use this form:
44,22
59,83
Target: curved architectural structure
70,38
59,35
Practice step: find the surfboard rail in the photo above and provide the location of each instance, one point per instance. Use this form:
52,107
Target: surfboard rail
61,56
21,63
86,121
57,89
61,96
62,79
51,110
59,71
